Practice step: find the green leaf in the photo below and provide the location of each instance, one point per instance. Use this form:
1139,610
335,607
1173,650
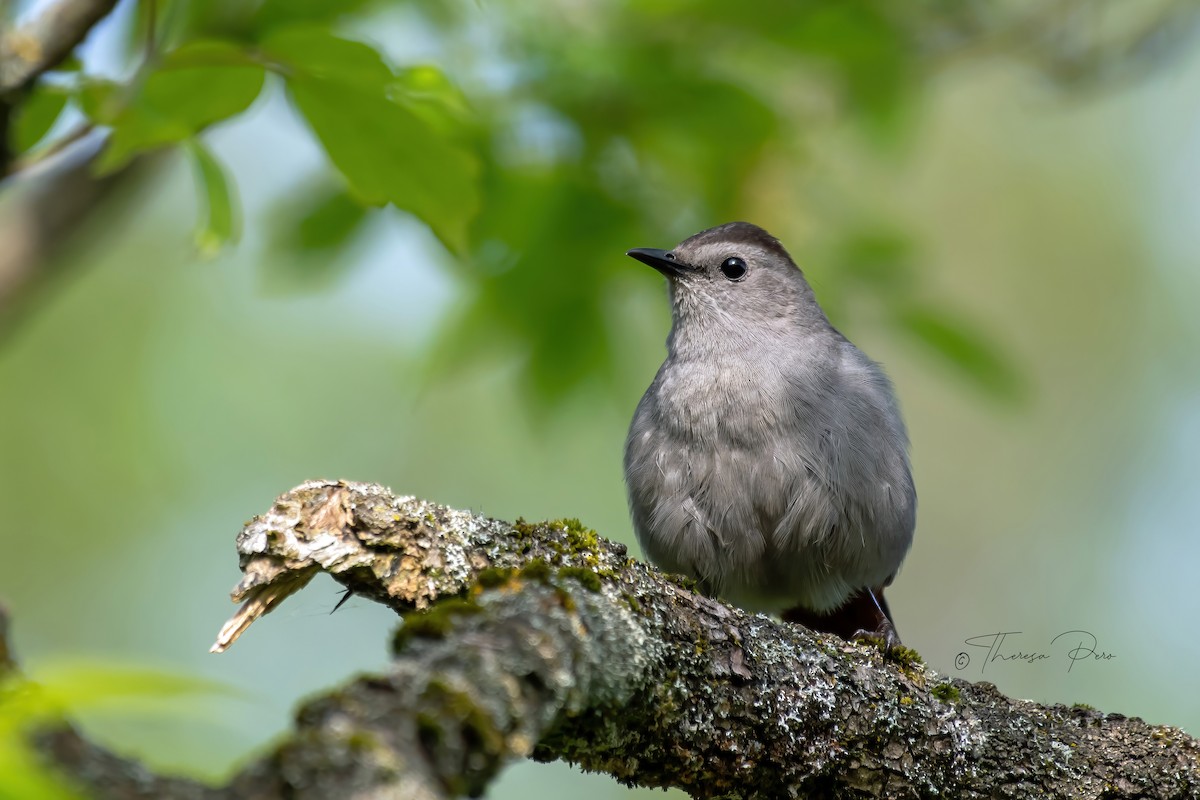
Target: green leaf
73,688
24,774
964,349
35,116
878,257
525,296
314,53
321,218
274,14
308,232
69,64
218,223
869,56
391,144
192,89
431,86
862,49
209,53
85,685
100,100
675,128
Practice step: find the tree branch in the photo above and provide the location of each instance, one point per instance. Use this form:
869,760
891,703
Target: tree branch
57,200
44,41
44,215
547,641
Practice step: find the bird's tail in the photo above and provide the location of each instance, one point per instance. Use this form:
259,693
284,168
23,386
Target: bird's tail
866,610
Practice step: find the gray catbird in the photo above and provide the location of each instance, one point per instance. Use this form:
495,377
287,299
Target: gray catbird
768,459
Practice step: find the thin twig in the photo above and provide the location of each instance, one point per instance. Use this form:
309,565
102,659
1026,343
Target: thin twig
41,156
151,45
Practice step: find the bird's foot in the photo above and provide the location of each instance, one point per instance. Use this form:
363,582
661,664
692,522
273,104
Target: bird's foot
884,636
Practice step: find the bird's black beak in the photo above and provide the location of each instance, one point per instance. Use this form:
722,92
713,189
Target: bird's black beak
662,260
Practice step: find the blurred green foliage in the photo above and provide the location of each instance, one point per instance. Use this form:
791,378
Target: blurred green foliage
190,89
78,687
546,140
551,137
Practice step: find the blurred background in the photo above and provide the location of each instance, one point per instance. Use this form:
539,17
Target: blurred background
998,201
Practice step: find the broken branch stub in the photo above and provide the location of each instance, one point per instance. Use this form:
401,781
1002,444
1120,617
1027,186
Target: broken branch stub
400,551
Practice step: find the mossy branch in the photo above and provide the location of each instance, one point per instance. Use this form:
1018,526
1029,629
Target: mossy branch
548,641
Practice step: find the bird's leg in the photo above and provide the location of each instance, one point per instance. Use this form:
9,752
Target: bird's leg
884,629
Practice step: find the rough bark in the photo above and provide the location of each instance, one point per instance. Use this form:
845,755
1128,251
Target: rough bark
548,641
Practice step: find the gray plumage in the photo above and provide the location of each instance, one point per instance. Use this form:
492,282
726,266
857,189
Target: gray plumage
768,459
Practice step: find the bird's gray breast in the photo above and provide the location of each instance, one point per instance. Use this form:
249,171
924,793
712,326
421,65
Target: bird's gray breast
754,483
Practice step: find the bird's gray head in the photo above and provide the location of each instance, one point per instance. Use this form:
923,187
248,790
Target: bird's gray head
735,276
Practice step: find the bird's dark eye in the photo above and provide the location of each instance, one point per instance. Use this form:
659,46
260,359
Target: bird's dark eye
734,268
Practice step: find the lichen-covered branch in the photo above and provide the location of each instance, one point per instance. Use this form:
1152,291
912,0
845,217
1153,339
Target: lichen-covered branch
548,641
